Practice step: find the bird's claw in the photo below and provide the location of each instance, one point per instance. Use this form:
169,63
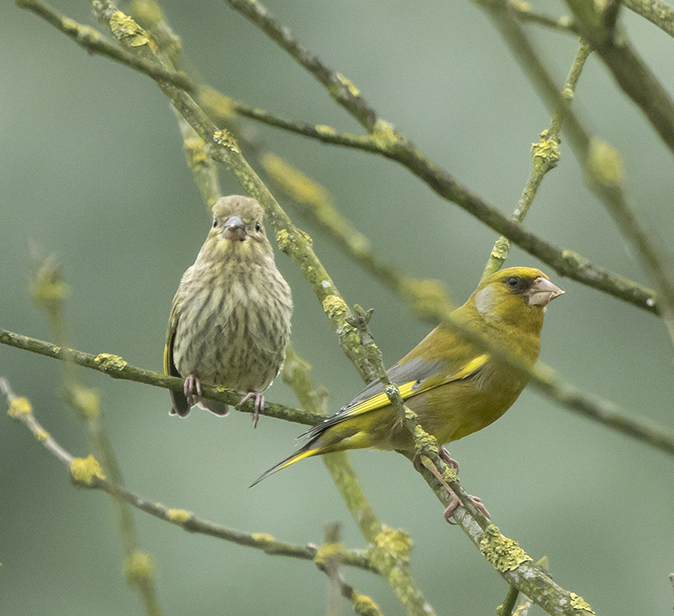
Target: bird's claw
192,389
455,503
257,406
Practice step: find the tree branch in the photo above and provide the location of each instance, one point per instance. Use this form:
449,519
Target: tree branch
95,42
21,410
391,144
117,368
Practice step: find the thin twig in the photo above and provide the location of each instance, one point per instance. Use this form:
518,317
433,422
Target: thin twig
658,13
545,155
629,70
47,289
394,570
391,144
117,368
601,162
21,410
95,42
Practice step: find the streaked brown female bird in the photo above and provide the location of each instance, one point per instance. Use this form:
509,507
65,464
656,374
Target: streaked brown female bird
454,388
230,318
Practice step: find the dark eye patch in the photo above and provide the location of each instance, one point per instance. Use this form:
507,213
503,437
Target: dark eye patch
516,284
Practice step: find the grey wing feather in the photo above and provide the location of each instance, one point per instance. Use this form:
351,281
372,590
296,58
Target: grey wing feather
415,370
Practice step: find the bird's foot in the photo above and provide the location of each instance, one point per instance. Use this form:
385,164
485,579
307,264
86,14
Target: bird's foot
449,461
455,503
444,456
192,389
258,405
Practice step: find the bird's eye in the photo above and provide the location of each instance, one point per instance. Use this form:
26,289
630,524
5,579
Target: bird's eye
512,282
215,223
257,226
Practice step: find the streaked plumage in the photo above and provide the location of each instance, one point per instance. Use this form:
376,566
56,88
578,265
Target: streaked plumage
454,388
230,318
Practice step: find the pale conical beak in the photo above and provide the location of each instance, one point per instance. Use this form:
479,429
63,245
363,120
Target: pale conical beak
234,229
542,292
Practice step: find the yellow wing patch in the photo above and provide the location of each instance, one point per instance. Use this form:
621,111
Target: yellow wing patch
413,388
470,368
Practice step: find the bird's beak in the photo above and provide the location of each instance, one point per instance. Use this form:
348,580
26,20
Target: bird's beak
234,229
542,292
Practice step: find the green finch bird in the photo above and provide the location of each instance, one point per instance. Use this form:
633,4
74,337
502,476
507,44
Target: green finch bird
454,388
230,318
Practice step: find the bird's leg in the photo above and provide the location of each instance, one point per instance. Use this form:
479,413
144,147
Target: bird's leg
455,501
259,404
192,389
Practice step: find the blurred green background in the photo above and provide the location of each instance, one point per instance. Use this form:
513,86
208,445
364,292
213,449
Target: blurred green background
91,168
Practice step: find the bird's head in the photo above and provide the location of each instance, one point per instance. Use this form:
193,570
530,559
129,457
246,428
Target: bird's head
237,230
516,295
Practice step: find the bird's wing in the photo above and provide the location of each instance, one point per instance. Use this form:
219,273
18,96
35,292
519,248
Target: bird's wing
180,405
413,377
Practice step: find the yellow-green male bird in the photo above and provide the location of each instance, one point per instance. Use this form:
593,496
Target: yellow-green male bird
230,318
453,388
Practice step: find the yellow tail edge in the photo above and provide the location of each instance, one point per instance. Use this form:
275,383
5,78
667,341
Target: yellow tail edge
296,457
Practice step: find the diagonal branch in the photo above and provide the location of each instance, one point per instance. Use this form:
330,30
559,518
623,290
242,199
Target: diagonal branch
95,42
629,70
21,410
391,144
341,89
601,163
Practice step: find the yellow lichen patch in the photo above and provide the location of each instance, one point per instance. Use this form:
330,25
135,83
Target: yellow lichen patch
604,164
138,567
503,553
307,238
334,306
328,551
322,129
294,182
392,548
217,102
263,537
364,605
87,400
353,90
225,139
384,135
579,603
546,148
85,469
41,434
283,240
179,515
110,363
125,29
19,406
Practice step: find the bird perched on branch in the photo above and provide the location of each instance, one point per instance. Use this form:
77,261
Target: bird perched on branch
454,388
230,318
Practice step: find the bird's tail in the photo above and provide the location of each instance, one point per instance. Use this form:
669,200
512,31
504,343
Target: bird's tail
312,448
